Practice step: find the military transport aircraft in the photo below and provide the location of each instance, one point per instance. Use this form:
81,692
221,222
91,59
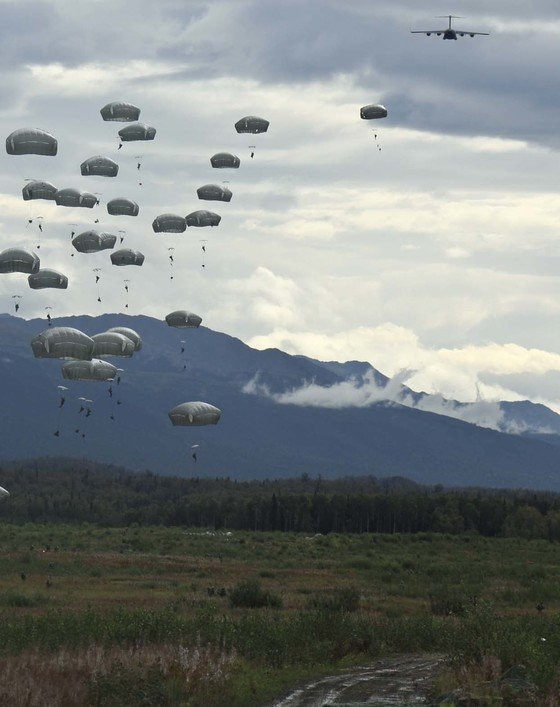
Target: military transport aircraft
448,33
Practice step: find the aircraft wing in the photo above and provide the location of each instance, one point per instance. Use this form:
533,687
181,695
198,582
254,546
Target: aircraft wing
463,32
426,31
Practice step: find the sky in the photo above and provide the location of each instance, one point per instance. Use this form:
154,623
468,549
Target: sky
438,255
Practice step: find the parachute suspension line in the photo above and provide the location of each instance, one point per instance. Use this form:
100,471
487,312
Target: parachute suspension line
73,229
376,138
112,398
98,194
62,400
86,411
48,316
97,279
39,220
30,208
252,148
203,250
138,159
171,261
184,354
127,291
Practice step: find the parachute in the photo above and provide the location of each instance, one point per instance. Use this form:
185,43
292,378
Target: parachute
181,319
252,124
203,218
99,167
120,111
75,197
111,343
47,279
93,241
127,256
3,492
62,342
214,192
373,112
18,260
194,414
225,160
138,131
169,223
94,370
35,189
31,141
130,334
122,207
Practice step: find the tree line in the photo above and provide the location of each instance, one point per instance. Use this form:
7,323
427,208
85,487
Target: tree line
78,491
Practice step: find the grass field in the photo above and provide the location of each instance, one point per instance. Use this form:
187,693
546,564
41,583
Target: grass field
148,615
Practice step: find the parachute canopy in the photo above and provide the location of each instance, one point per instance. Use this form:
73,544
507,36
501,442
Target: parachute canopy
181,319
225,160
38,190
122,207
214,192
75,197
169,223
99,166
130,334
3,492
373,111
127,256
18,260
47,279
94,370
252,124
111,343
120,111
203,218
31,141
195,413
93,241
62,342
138,131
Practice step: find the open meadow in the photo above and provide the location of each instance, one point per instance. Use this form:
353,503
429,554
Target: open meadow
155,615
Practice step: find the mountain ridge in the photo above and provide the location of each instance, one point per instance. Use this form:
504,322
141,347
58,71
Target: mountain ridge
257,437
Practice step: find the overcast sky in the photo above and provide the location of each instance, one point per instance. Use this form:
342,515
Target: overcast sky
439,254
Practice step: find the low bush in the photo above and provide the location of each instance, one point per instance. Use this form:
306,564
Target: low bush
343,599
250,595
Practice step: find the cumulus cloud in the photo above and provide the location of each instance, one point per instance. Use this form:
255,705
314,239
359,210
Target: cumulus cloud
460,373
440,253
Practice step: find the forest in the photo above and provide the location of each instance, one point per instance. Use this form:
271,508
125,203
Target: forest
77,491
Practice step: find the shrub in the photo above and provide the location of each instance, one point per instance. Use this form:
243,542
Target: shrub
19,600
448,601
343,599
250,595
126,685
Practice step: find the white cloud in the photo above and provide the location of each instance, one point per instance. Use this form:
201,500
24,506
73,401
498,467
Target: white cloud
366,392
409,257
454,373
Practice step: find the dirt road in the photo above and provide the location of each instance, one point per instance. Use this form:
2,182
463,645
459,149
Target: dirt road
397,680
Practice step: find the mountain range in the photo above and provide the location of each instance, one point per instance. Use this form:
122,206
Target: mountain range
274,423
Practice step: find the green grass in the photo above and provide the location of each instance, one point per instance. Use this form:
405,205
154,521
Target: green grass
340,599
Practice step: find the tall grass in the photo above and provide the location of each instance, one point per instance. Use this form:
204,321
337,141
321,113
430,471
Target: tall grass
135,675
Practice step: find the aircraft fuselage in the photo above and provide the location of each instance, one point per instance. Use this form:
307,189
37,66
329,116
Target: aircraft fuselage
450,34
